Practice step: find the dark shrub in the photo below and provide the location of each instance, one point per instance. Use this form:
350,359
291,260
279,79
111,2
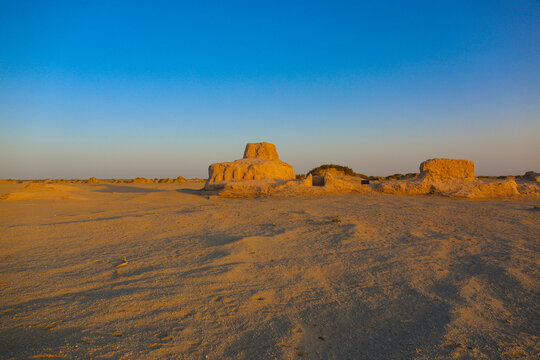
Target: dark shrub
320,170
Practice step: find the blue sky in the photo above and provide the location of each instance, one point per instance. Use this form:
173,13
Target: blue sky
161,89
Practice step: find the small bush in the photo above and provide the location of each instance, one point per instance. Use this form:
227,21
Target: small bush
300,176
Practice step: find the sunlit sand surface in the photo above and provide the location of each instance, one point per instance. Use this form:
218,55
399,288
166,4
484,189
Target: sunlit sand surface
161,271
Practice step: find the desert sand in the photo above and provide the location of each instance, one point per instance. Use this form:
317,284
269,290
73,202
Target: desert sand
166,271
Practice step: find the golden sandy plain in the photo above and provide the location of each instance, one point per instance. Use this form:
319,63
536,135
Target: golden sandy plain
160,271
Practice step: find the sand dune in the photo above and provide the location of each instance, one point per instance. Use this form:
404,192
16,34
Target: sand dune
160,271
44,191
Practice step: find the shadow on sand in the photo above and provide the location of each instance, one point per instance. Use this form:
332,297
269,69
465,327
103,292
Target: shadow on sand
197,192
124,189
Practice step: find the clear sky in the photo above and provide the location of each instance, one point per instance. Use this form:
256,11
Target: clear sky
161,89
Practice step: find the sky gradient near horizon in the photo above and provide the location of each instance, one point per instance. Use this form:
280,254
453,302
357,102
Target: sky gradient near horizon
160,89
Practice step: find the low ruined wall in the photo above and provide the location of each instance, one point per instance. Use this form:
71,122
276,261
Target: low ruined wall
446,169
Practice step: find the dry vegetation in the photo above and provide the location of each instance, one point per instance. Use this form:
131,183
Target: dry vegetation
335,169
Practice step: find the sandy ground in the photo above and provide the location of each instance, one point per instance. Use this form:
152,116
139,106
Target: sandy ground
157,271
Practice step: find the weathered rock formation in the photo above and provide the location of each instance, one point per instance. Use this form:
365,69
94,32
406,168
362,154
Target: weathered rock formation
261,161
490,189
446,169
263,150
261,173
331,182
250,169
141,180
307,181
93,180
